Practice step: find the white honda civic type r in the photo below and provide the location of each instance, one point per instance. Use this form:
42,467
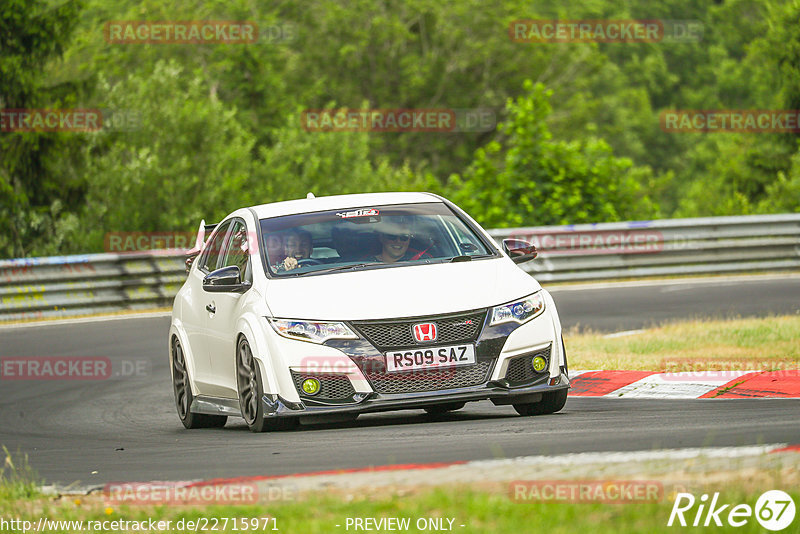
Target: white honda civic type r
324,308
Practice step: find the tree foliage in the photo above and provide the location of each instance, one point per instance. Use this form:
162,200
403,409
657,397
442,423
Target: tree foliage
38,176
220,123
529,178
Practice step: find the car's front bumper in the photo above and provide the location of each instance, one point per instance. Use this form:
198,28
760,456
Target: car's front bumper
276,406
356,368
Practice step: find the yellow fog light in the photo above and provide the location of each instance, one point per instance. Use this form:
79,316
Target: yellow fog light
539,364
311,386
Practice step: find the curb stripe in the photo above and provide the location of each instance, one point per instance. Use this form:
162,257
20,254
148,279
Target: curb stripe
771,384
676,385
689,385
599,383
717,393
790,448
572,460
354,470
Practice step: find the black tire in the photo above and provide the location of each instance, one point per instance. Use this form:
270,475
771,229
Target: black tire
550,403
440,409
251,390
184,397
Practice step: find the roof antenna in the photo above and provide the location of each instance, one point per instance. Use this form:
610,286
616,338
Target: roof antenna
310,195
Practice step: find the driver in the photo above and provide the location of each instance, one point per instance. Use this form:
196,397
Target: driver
297,246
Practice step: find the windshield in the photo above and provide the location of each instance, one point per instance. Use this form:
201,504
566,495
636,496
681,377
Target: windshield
372,236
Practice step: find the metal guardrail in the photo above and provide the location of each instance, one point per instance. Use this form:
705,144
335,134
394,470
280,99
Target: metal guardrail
32,288
37,288
712,245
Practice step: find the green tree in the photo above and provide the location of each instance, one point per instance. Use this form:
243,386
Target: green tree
529,178
326,163
184,157
37,178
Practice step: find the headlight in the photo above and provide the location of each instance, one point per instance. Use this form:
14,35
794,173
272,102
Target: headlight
519,311
315,332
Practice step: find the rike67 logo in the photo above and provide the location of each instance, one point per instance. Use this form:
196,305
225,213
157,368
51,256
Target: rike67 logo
774,510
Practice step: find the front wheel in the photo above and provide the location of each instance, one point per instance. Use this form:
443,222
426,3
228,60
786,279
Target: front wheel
251,390
550,403
183,394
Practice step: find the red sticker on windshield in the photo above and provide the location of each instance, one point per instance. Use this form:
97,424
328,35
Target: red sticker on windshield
358,213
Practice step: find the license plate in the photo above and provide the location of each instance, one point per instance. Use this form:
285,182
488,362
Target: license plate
430,358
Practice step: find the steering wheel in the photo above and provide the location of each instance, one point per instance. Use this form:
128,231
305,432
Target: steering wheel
308,261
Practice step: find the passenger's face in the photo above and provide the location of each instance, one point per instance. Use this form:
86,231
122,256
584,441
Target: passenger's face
395,245
298,247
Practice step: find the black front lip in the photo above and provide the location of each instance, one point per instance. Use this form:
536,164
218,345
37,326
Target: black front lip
277,406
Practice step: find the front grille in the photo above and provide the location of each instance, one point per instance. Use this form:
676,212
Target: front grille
335,388
431,380
388,335
520,369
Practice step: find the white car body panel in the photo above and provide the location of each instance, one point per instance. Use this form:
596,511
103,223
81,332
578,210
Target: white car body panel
400,292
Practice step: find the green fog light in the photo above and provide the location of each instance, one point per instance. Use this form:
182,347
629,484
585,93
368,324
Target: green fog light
311,386
539,364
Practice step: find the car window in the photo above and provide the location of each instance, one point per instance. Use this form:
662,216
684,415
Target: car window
465,238
236,250
378,236
213,247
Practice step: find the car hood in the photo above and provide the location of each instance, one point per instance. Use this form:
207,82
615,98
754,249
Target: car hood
399,291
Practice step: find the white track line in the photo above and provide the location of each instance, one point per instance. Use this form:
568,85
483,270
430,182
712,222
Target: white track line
81,320
720,280
633,456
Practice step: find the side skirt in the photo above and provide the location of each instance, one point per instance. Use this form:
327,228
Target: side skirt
216,406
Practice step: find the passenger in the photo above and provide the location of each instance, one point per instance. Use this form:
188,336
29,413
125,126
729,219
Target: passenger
395,238
297,247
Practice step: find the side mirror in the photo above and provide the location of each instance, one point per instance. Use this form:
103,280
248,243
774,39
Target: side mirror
225,280
518,250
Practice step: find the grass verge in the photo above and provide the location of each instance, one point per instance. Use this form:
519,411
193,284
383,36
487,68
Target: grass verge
17,479
458,509
772,340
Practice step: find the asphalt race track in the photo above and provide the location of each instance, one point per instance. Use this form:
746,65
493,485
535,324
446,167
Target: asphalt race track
125,428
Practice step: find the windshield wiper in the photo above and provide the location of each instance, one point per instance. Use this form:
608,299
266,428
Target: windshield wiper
348,267
296,272
464,257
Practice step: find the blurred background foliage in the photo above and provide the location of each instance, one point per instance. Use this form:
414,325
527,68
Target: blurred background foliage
218,125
